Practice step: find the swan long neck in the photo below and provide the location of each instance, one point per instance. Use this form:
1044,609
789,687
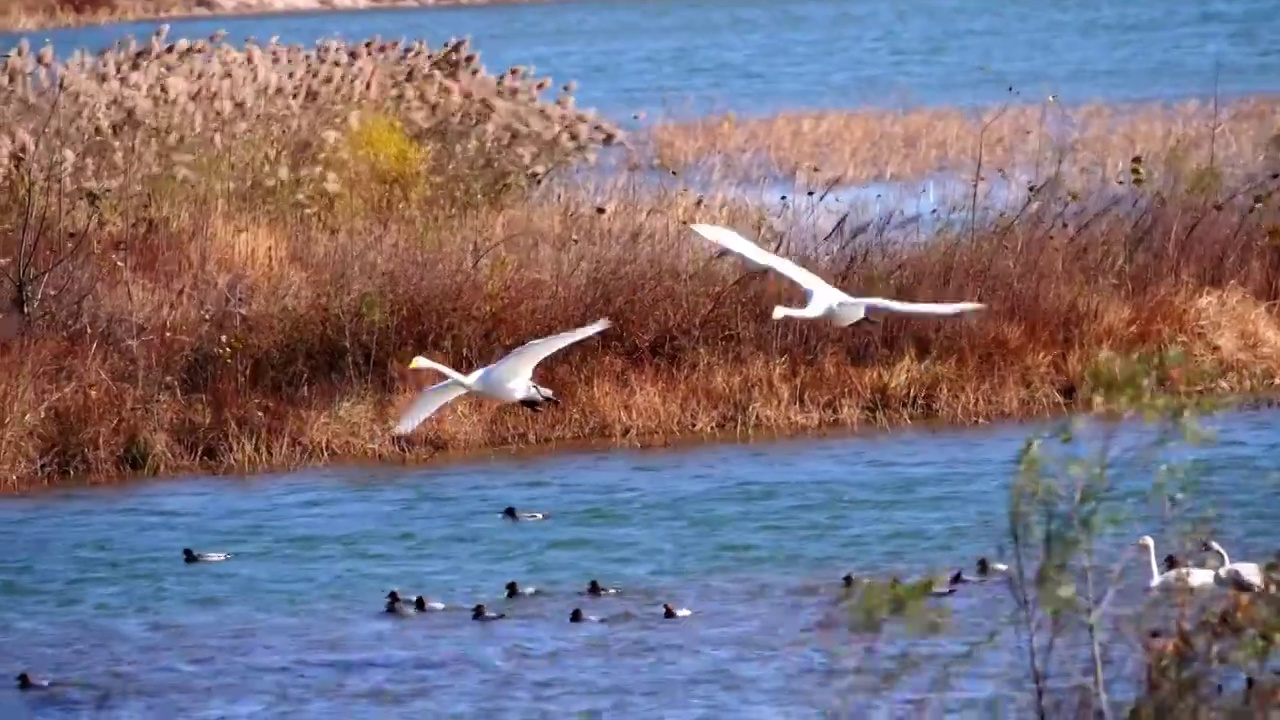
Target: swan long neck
809,311
447,371
1155,569
1221,553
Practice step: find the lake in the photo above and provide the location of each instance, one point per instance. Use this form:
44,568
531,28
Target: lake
752,537
757,56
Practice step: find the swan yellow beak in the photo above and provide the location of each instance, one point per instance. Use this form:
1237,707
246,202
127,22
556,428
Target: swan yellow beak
418,363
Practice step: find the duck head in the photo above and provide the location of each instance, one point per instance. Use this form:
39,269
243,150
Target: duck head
1210,546
189,555
513,589
393,596
420,604
984,567
594,588
847,580
478,611
576,615
668,612
24,681
510,513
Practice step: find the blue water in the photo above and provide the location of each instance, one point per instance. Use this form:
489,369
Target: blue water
753,538
755,56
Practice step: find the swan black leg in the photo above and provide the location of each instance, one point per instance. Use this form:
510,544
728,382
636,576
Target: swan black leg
533,405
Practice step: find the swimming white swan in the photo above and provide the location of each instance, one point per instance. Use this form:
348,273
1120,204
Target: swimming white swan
1193,577
508,380
1245,577
824,299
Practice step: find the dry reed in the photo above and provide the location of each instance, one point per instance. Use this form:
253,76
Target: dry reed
220,258
1083,145
39,14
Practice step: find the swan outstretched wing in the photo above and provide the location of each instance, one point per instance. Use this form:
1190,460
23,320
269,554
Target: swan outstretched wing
425,405
731,240
884,305
519,364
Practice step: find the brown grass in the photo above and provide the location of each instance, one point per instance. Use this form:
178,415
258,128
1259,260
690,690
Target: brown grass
221,258
39,14
1084,145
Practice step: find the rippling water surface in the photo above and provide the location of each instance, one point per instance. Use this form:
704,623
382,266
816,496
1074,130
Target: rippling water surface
756,56
753,538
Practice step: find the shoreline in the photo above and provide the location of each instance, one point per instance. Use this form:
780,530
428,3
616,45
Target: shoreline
550,449
546,450
18,22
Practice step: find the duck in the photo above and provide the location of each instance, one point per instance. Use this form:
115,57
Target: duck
514,590
595,588
510,513
421,604
26,683
1193,577
482,614
1243,577
959,578
670,613
986,568
395,604
848,580
190,556
576,617
942,590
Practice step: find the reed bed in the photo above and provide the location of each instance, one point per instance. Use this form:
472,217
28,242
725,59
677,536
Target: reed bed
221,258
1084,145
36,14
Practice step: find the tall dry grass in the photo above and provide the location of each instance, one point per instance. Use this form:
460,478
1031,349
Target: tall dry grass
35,14
220,258
1083,145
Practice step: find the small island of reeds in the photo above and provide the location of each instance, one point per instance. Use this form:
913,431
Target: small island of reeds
220,258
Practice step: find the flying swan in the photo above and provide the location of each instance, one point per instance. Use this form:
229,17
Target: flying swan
824,300
508,380
1245,577
1193,577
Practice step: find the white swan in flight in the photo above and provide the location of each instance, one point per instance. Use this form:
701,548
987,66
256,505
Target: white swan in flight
508,380
1245,577
824,299
1193,577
